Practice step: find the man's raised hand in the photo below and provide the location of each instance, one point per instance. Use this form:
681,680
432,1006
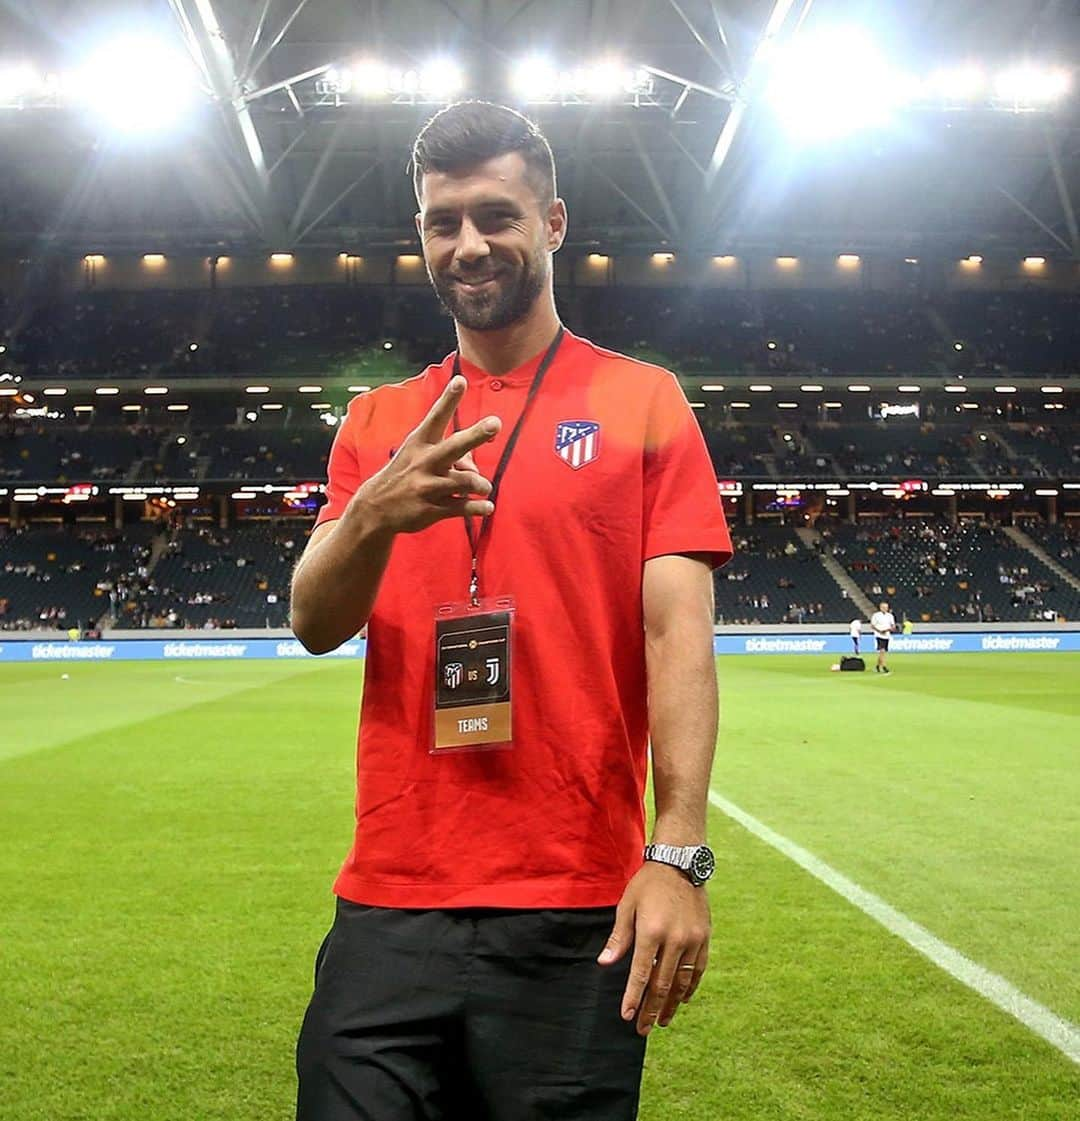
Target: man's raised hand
433,476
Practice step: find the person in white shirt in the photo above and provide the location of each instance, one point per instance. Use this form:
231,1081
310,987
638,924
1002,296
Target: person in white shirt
883,625
855,630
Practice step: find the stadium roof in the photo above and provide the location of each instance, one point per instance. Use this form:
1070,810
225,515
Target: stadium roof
278,157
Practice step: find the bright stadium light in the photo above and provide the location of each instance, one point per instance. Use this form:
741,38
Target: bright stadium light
137,85
441,79
830,84
1030,85
534,79
17,81
957,84
537,78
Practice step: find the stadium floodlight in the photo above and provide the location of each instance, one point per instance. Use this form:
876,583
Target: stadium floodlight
956,389
725,261
1028,86
787,262
858,389
812,388
848,260
762,388
55,391
534,79
740,404
787,404
358,388
908,389
177,408
829,84
1042,389
156,390
1034,262
440,79
711,388
272,406
137,85
256,389
18,81
1004,388
537,78
309,389
955,85
107,390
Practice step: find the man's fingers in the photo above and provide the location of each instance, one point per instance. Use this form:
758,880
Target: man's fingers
622,934
467,463
469,482
641,968
465,508
700,966
433,427
687,974
660,986
454,447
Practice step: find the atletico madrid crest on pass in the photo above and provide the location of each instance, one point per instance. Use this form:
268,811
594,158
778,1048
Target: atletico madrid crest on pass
577,442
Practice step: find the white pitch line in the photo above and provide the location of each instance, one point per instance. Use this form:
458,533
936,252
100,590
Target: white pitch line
1058,1032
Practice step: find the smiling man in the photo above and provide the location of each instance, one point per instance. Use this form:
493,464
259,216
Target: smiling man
528,530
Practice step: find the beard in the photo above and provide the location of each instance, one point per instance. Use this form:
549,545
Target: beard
509,298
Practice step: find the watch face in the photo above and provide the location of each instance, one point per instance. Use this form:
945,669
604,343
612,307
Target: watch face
702,864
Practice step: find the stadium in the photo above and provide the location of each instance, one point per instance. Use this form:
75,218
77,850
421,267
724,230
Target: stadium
848,229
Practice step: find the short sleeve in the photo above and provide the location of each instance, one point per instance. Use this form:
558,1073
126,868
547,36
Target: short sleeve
682,507
343,473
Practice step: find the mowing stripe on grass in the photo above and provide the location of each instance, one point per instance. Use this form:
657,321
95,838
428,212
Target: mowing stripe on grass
1058,1032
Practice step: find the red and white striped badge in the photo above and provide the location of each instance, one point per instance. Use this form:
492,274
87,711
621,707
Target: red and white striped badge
577,442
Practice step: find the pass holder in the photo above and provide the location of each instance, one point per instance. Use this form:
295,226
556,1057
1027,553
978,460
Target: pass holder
473,675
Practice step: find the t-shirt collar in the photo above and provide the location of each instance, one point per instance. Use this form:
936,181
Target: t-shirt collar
520,375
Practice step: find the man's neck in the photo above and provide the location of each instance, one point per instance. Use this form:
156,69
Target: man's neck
499,352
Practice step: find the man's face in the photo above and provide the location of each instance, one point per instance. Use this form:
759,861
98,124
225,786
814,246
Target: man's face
884,606
488,241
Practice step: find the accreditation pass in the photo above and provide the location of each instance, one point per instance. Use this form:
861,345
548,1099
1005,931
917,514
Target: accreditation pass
472,677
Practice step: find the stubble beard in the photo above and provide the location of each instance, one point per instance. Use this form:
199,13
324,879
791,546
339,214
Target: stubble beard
509,300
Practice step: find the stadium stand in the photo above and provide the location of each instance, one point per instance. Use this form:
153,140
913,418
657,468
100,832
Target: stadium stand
298,328
774,578
57,578
936,572
214,578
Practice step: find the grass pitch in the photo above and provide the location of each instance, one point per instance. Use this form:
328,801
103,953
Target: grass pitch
168,836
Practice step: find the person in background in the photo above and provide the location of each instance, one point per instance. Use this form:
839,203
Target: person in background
883,623
855,630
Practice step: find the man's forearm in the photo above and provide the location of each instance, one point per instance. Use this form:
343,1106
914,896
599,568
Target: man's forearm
683,714
336,581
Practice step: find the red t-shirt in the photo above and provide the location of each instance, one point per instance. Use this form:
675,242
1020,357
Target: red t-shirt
558,819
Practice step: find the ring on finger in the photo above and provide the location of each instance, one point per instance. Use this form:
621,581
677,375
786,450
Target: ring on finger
688,965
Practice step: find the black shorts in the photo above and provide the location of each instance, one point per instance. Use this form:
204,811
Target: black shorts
882,643
484,1015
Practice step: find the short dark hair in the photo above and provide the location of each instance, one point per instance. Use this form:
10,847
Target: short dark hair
470,132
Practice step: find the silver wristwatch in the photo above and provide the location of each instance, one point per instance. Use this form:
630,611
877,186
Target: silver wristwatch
696,862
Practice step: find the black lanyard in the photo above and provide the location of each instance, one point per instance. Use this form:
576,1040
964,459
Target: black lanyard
477,539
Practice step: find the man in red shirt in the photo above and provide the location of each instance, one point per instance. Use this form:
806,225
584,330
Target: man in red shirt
528,530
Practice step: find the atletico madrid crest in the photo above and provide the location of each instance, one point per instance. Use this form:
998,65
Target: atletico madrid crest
577,442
